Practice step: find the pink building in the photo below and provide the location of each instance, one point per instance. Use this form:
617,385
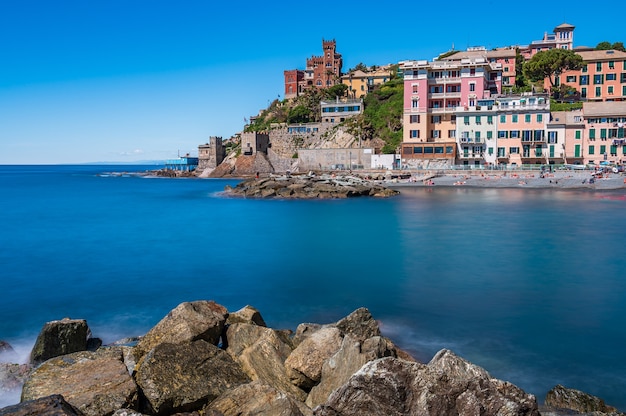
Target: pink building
432,93
603,138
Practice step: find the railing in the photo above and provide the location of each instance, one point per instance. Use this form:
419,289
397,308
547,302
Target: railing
445,94
444,80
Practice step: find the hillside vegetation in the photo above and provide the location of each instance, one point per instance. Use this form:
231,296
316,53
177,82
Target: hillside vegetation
381,118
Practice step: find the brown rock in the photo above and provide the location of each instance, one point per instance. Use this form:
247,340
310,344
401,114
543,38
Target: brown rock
304,364
563,398
360,324
12,376
96,383
261,352
59,338
246,315
54,405
185,377
257,398
189,321
352,355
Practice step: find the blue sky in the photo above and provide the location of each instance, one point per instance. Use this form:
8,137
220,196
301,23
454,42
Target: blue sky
87,81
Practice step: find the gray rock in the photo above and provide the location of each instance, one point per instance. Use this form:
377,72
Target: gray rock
186,377
246,315
7,353
189,321
360,324
304,364
262,352
12,376
257,398
54,405
96,383
564,398
390,386
305,330
352,355
127,412
59,338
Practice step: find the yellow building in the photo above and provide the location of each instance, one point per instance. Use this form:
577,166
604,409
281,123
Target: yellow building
360,83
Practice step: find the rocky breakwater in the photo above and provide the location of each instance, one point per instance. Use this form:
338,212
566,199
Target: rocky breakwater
202,360
309,186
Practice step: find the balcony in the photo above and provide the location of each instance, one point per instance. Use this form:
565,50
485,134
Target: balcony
503,156
445,94
471,155
444,80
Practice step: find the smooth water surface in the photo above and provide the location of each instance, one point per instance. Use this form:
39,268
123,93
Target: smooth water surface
527,283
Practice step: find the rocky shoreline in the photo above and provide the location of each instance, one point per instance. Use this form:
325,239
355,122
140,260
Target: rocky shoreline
310,186
202,360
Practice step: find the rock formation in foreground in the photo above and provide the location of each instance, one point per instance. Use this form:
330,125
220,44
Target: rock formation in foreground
200,359
309,187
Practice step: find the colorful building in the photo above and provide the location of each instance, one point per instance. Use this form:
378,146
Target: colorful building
339,110
361,83
562,38
321,71
432,93
602,78
603,139
506,57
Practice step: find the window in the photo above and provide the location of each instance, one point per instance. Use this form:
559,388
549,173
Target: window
501,151
622,77
514,150
472,87
598,91
552,137
551,150
592,134
451,134
489,119
415,118
514,134
598,79
503,134
466,120
527,118
598,66
577,150
577,134
611,64
584,68
603,134
624,90
611,77
415,134
489,134
415,88
571,78
602,149
490,151
583,92
435,134
539,118
436,119
514,118
418,150
502,118
613,150
610,90
415,103
584,80
478,120
592,150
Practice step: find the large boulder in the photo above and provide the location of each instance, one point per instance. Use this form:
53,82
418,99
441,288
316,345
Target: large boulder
12,376
262,353
390,386
54,405
189,321
186,377
257,398
352,355
360,324
7,353
59,338
96,383
304,364
564,398
246,315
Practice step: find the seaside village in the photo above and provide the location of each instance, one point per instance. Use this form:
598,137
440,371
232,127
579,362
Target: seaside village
460,111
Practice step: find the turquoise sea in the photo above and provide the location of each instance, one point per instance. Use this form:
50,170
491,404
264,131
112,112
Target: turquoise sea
529,284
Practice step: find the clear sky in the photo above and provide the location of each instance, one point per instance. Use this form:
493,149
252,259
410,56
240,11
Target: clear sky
95,80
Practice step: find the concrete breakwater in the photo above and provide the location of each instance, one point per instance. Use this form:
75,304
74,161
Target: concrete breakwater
202,360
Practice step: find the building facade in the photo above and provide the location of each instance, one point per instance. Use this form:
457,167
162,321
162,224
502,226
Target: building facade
432,93
321,71
339,110
602,77
361,83
562,38
211,154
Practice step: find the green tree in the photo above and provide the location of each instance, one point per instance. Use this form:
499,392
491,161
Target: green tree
618,46
551,63
520,79
335,91
299,114
603,46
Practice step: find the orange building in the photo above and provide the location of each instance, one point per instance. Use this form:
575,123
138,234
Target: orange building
602,78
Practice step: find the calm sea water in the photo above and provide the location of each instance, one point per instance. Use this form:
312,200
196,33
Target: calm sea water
528,284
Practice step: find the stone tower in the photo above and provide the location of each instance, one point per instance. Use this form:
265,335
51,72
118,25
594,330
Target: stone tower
211,154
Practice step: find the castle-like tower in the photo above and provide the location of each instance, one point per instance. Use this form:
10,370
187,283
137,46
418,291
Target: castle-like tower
321,71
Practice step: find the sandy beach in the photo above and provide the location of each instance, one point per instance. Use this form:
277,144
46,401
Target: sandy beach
519,179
